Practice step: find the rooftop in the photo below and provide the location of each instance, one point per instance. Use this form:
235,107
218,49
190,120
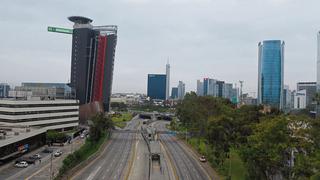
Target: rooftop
17,101
80,19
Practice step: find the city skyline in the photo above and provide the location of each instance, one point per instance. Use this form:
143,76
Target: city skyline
145,43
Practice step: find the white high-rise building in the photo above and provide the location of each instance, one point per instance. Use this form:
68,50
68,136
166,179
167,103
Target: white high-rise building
300,99
318,61
199,88
167,80
181,90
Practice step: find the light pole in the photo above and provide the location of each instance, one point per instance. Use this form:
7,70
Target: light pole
229,165
186,134
51,172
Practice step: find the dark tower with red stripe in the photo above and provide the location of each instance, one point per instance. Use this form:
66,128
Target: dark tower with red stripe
93,52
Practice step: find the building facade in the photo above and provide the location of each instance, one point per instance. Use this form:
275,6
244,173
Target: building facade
270,73
216,88
167,80
174,93
287,95
199,88
92,61
181,90
4,90
156,88
210,87
300,99
46,90
53,114
311,89
24,124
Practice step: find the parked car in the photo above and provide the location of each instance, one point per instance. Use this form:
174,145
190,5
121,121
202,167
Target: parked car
57,153
82,136
21,164
203,159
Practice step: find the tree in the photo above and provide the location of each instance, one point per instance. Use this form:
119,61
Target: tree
100,124
53,136
266,152
220,134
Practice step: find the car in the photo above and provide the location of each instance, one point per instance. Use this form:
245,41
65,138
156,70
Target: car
57,153
47,150
21,164
82,136
36,156
28,160
203,159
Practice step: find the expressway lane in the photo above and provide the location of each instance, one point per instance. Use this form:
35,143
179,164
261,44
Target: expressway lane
140,167
113,161
186,166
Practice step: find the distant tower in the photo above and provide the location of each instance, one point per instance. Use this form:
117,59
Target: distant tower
241,94
167,79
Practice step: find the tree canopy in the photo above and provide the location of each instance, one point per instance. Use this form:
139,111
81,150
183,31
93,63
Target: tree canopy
271,145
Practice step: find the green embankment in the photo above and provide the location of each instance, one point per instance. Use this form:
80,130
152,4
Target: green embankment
120,120
83,153
236,168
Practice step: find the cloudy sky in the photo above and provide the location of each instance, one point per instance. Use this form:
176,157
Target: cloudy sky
202,38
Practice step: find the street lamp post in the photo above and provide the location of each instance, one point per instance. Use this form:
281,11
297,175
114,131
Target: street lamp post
51,172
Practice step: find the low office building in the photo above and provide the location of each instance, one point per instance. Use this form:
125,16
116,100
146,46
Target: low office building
57,114
46,90
311,89
23,124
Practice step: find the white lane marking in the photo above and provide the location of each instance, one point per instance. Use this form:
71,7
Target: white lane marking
93,173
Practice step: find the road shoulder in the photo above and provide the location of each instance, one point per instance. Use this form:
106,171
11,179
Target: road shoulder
193,153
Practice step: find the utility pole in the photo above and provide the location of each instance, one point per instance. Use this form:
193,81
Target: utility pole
241,85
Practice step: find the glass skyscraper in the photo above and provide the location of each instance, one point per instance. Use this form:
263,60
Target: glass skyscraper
270,73
157,86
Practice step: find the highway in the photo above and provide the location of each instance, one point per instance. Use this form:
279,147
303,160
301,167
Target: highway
112,164
140,167
187,167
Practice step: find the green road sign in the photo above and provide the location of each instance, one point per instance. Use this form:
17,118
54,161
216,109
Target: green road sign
60,30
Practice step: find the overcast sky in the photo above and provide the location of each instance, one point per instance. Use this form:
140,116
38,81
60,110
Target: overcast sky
202,38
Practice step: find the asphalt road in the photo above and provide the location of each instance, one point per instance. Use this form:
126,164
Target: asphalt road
112,164
187,167
9,172
140,167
